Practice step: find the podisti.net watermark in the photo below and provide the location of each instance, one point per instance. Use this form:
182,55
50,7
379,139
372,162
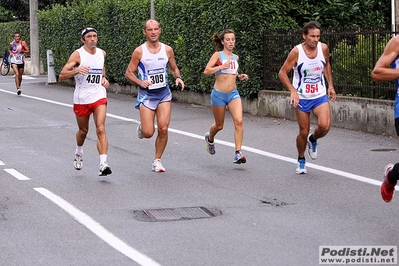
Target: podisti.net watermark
358,255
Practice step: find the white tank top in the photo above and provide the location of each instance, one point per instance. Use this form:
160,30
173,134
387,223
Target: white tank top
153,67
308,78
88,88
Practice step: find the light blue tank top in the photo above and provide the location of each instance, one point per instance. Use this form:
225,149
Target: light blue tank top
233,64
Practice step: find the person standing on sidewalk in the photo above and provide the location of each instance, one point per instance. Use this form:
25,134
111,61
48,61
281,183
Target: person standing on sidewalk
387,69
86,65
310,62
18,50
224,65
152,60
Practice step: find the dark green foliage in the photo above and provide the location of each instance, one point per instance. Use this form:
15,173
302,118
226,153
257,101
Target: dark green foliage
340,13
118,23
352,60
7,30
187,26
190,30
5,15
19,9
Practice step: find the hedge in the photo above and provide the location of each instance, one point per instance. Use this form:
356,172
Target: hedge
187,26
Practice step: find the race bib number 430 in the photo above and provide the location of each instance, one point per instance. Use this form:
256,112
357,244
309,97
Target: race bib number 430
157,78
94,76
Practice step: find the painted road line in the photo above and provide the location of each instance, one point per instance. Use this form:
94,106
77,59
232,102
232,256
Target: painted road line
230,144
16,174
98,229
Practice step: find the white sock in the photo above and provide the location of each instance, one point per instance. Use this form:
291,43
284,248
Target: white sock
103,158
79,150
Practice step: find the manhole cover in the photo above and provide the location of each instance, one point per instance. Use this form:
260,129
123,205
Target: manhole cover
175,214
389,149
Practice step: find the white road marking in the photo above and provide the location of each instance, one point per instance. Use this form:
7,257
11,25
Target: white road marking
1,163
98,229
16,174
27,77
253,150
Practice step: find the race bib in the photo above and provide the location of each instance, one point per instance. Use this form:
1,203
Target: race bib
157,78
94,76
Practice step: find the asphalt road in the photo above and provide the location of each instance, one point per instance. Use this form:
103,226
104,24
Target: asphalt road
258,213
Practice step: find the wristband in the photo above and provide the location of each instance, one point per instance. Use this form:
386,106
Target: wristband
178,77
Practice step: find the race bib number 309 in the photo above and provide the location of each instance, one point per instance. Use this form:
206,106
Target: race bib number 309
157,78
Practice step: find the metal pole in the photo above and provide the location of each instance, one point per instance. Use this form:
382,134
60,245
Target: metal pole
152,9
395,15
34,38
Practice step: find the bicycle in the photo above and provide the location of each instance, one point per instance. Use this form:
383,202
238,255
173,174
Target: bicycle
5,63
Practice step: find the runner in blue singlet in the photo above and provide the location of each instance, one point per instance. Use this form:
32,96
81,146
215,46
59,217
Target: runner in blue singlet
387,69
151,60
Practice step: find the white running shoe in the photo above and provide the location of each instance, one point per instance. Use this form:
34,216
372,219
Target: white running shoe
138,131
157,166
312,148
210,147
104,169
78,161
301,170
19,91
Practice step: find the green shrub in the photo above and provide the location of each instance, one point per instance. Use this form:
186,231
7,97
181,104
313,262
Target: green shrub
187,26
7,30
352,62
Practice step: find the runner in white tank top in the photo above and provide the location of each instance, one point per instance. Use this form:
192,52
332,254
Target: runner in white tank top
310,62
308,76
151,61
86,65
88,88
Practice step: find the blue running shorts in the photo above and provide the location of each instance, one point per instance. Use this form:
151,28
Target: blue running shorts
152,98
307,105
222,99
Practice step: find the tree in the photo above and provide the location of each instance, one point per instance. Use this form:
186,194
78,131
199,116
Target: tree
5,15
19,9
340,13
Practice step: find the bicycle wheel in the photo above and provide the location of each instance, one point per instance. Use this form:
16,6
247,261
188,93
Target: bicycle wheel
4,69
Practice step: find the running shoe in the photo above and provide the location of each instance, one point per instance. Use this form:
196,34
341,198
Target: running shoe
157,166
138,130
239,158
387,189
104,169
301,167
19,91
312,148
210,147
78,161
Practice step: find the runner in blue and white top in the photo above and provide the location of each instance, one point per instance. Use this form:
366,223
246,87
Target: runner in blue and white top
224,64
18,49
387,69
152,61
310,63
308,76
